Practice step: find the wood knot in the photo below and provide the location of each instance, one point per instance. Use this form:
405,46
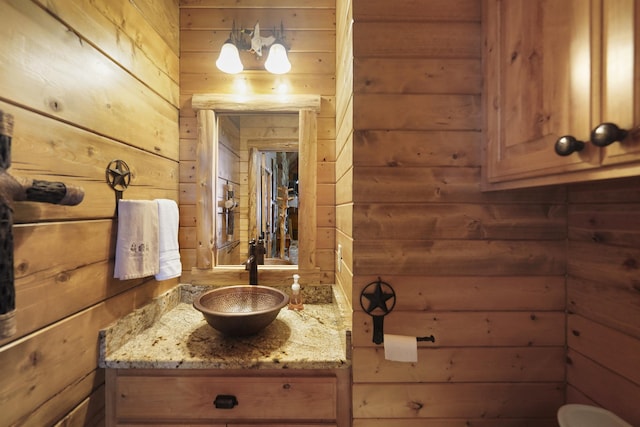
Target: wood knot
63,277
415,406
34,358
54,104
22,267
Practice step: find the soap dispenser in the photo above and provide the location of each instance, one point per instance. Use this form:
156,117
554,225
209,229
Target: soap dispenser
295,301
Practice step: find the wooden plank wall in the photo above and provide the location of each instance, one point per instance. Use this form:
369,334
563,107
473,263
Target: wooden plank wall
87,82
310,32
603,290
344,148
482,272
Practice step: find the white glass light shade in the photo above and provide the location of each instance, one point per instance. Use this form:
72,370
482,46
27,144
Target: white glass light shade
229,59
277,61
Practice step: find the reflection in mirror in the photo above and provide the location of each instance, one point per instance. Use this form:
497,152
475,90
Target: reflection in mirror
218,189
258,184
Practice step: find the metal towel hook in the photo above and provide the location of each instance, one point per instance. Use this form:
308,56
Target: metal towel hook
118,177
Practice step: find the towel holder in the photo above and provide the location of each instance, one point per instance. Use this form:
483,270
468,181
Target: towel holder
118,177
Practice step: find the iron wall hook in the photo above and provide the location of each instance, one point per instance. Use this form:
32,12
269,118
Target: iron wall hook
378,299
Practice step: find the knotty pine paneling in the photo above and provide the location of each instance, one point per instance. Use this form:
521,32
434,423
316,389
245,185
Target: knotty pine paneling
441,184
468,329
448,76
603,295
440,422
52,360
393,39
466,400
317,17
86,82
417,148
89,411
139,46
81,157
423,255
409,10
597,384
310,32
482,272
508,364
606,346
419,112
343,150
476,293
88,89
461,221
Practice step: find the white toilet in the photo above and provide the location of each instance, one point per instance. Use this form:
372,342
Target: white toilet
576,415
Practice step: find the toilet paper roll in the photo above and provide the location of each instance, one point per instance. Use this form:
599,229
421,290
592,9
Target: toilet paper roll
400,348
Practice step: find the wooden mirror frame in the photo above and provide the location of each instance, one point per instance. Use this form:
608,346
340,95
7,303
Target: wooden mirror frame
207,106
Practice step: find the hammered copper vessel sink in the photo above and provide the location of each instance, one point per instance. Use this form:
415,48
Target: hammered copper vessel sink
241,310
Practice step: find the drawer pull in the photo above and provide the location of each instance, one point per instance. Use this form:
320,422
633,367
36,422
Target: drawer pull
607,133
566,145
225,401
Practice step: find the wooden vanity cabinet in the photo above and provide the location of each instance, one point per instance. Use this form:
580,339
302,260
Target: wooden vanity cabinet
556,68
179,397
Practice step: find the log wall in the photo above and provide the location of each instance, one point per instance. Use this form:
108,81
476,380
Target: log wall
344,148
603,296
482,272
309,30
87,82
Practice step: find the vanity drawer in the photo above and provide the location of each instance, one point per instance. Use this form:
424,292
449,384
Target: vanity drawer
187,398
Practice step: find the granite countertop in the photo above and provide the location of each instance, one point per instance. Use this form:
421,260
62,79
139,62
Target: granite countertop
170,333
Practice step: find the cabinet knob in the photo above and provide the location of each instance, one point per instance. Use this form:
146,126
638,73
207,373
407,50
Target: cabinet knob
225,401
607,133
568,144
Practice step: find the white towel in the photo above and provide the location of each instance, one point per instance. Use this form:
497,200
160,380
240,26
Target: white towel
169,252
137,241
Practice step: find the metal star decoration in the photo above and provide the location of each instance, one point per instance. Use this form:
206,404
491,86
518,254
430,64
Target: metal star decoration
118,175
378,298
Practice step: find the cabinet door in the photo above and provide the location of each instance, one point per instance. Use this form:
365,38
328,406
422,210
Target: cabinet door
541,82
621,76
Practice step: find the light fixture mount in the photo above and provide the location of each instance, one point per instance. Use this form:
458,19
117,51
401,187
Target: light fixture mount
251,40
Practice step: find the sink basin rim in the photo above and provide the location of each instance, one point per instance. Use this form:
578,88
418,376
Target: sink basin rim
254,321
229,289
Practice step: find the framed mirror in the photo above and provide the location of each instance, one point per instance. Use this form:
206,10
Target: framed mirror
214,200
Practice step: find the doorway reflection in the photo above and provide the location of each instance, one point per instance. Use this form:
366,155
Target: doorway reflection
258,186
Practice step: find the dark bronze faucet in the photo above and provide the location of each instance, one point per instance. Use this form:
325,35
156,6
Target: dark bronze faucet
256,257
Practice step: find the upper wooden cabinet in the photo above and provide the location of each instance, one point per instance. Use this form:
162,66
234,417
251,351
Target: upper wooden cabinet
555,68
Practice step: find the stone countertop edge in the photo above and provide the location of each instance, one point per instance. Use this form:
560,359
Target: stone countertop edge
169,333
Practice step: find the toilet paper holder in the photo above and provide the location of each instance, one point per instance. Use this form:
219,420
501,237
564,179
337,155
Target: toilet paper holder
378,299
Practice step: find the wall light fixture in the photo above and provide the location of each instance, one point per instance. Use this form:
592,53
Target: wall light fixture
252,41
